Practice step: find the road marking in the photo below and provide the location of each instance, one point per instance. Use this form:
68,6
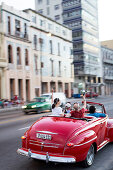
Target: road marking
24,128
24,118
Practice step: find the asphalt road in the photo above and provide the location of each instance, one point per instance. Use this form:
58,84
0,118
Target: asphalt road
13,125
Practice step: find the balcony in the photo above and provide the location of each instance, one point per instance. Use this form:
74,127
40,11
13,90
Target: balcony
108,77
3,63
19,67
71,4
11,66
27,68
21,35
105,60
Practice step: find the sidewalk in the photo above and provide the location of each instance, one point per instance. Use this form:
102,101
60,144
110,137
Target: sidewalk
11,108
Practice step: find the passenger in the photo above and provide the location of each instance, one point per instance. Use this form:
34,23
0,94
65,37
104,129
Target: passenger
67,107
77,112
56,110
92,112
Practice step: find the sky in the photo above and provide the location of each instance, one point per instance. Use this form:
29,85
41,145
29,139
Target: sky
105,13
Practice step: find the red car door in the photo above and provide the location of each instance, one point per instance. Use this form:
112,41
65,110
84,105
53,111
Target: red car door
103,129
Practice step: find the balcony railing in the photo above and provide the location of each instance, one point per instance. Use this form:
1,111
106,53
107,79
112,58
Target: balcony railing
107,61
70,5
21,35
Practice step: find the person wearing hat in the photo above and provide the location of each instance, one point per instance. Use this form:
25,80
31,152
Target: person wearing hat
67,108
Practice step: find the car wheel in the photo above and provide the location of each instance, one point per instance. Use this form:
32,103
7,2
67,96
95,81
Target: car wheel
38,112
89,158
25,113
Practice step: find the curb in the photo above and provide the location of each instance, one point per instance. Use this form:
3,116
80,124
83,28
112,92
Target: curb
10,109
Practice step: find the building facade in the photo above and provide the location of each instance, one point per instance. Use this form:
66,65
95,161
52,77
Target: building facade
82,17
107,58
31,60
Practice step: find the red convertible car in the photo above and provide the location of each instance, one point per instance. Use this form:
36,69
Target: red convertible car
68,140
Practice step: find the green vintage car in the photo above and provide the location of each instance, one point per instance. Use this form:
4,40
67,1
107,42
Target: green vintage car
38,105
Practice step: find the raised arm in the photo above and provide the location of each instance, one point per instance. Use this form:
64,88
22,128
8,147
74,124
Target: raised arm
84,99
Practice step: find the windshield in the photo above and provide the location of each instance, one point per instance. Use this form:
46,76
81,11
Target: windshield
39,100
48,96
99,108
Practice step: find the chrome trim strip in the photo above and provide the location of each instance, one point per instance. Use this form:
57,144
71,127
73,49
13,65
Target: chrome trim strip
102,146
44,145
44,157
47,132
86,142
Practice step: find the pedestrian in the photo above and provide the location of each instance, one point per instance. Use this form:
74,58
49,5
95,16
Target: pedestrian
56,109
79,112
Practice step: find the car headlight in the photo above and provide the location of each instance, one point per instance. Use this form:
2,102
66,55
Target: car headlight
33,106
23,107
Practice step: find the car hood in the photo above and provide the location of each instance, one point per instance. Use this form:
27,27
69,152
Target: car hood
35,103
59,128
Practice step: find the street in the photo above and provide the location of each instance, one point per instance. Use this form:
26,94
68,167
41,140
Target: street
13,125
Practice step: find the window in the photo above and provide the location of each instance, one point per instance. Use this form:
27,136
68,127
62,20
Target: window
52,67
99,80
51,47
57,17
64,32
40,11
50,26
9,25
10,54
26,57
25,31
59,63
71,51
42,22
58,48
48,11
34,19
35,42
36,64
56,7
47,2
18,56
39,1
17,27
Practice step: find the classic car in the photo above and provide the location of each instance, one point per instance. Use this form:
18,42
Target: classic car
39,104
68,139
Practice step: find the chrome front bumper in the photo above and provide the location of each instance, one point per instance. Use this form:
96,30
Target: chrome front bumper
47,157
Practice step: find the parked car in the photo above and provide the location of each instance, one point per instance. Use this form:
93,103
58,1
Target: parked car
91,94
59,95
1,104
68,140
39,104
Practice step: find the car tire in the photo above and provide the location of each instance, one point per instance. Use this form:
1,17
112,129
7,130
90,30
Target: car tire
89,158
25,113
38,112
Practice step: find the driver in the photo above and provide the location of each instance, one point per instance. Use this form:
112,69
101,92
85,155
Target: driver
92,112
